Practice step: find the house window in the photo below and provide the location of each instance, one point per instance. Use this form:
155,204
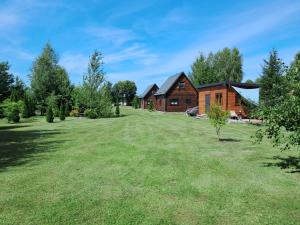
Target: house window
238,99
174,102
181,85
188,101
219,98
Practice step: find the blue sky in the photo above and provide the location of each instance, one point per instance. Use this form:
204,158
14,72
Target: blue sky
146,41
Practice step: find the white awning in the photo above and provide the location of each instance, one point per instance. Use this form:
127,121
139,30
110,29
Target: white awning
252,94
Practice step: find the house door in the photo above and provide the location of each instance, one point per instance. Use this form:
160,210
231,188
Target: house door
207,103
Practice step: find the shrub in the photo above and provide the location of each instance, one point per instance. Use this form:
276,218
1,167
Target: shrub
136,102
74,113
67,113
91,113
62,112
50,115
1,112
218,118
151,106
117,109
52,101
12,110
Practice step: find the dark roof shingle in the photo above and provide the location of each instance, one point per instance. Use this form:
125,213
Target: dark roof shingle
168,84
143,95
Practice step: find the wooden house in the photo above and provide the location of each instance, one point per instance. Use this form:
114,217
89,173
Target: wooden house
148,95
226,95
177,94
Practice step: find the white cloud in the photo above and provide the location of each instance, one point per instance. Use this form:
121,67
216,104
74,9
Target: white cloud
74,63
116,36
255,22
135,52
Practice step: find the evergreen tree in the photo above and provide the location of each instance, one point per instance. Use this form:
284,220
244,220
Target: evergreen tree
282,116
47,77
93,81
18,90
26,108
271,77
151,106
49,115
62,112
136,102
6,81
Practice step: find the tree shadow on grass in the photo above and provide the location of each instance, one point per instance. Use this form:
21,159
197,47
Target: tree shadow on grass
229,140
18,147
289,162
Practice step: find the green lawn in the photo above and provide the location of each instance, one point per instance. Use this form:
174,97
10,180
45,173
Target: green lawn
143,168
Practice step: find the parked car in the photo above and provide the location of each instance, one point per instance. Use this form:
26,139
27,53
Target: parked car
192,111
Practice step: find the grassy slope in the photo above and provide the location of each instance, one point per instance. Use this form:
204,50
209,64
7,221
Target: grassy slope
143,168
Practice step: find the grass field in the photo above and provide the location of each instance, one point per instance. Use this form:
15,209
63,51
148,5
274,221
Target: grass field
143,168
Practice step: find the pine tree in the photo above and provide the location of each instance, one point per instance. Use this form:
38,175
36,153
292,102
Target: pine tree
271,77
50,115
62,112
151,106
26,108
6,81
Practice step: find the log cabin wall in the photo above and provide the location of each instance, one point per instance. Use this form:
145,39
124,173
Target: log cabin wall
187,96
229,99
212,91
160,103
149,97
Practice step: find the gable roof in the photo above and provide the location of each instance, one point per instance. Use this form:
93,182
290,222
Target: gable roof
168,84
143,95
234,84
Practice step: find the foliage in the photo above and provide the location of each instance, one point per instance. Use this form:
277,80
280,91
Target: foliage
48,78
151,106
271,78
124,90
136,102
53,102
93,81
282,118
117,109
74,113
218,118
225,65
104,109
62,111
49,114
18,90
12,110
91,113
6,81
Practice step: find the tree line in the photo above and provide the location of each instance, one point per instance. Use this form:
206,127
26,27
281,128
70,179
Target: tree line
51,91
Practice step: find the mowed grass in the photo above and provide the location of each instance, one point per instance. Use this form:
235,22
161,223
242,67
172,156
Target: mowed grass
143,168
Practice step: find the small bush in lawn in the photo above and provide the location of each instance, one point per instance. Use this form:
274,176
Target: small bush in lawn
50,115
218,118
62,112
136,102
151,106
67,112
74,113
91,113
1,112
117,110
12,110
